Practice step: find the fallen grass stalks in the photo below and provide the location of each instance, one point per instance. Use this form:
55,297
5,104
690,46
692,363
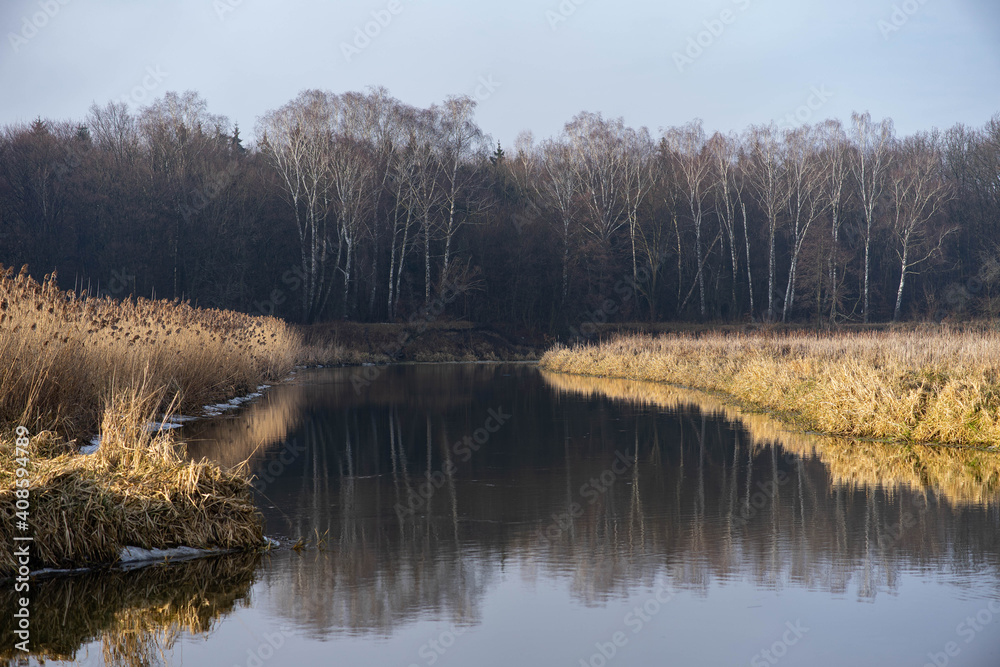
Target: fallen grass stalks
928,384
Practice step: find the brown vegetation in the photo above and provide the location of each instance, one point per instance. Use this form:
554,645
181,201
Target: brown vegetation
72,368
929,384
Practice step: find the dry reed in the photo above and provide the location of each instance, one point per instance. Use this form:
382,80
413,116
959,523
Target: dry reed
72,367
930,384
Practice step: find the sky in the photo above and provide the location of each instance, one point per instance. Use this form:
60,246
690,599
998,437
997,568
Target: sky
532,65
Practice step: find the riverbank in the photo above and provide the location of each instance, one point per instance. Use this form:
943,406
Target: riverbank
354,343
75,367
929,383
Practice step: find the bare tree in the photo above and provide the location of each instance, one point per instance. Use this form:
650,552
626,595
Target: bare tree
595,145
806,174
638,158
872,158
766,171
558,186
918,189
426,192
462,144
693,165
835,148
725,161
296,141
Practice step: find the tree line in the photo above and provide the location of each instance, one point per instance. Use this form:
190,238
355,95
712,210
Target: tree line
359,206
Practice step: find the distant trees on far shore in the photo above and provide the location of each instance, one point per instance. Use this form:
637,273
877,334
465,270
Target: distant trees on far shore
359,206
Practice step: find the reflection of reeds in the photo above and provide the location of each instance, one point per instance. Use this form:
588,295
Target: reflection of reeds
930,384
137,615
963,476
265,423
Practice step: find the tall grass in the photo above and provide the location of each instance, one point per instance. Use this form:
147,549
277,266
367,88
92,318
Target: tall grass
62,356
73,367
929,384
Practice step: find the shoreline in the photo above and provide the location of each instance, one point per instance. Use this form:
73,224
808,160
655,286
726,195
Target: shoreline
929,387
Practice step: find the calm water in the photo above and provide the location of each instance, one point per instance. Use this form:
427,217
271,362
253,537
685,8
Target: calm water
476,514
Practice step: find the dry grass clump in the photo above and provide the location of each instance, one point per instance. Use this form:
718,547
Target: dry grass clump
137,490
962,475
61,354
930,384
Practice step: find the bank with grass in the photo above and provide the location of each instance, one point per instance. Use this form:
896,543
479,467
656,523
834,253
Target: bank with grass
75,367
928,383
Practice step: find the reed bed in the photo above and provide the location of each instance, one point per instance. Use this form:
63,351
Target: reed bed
926,384
62,354
71,368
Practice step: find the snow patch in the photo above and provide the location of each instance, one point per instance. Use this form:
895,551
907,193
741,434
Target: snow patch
133,555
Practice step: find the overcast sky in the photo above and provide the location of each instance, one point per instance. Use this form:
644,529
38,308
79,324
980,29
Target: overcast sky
533,63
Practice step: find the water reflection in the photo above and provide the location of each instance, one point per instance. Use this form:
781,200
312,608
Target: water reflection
590,485
437,490
136,617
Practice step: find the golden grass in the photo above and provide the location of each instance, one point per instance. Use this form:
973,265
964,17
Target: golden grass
71,368
964,476
929,384
62,355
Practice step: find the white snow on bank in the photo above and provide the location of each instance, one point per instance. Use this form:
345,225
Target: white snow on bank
137,555
233,403
176,421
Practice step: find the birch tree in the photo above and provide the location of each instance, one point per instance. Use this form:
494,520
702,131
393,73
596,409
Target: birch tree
918,190
872,158
835,150
806,174
558,185
765,170
693,165
296,141
725,159
461,152
597,159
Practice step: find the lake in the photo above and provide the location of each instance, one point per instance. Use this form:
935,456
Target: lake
495,514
